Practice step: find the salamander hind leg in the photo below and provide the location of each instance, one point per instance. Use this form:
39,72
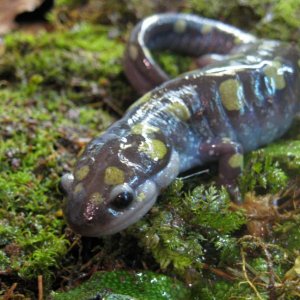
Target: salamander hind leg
229,154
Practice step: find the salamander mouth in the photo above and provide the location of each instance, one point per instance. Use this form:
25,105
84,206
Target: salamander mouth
128,218
109,219
119,220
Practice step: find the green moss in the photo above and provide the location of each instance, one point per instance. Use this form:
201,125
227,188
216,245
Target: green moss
173,64
4,260
270,168
288,234
225,290
89,116
287,153
38,120
56,91
44,250
262,174
287,13
268,18
212,210
251,280
213,9
177,231
59,3
127,285
73,61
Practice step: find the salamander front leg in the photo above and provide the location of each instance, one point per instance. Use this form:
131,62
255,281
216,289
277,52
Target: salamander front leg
230,157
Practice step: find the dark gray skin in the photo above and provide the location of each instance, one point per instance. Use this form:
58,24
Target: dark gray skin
245,97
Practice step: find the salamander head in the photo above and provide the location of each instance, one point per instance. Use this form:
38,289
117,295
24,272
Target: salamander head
115,183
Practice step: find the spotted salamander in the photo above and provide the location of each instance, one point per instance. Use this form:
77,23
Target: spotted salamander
244,96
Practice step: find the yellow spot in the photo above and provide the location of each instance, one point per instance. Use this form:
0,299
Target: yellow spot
133,51
113,176
78,188
232,95
81,173
237,40
179,110
141,197
59,213
141,128
141,101
226,140
236,161
275,73
147,52
96,199
206,29
180,26
155,149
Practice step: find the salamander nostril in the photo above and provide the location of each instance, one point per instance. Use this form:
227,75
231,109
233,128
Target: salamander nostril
122,200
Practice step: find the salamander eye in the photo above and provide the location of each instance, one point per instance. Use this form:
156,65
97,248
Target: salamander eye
122,200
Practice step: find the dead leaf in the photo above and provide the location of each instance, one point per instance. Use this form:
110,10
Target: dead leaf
9,9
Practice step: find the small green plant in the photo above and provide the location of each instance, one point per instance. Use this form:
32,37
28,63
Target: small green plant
262,174
177,232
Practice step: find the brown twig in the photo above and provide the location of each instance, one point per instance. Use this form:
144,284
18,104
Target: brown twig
10,292
90,262
219,272
246,276
271,283
40,287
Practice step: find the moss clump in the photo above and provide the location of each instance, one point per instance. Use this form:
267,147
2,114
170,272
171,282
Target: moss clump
287,153
262,174
81,62
178,230
174,64
288,235
127,285
269,18
222,289
268,170
41,130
